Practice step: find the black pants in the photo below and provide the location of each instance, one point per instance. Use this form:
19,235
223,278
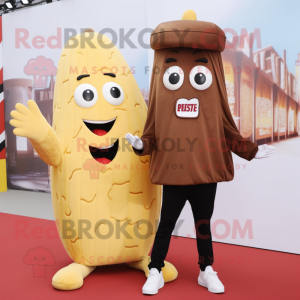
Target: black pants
201,198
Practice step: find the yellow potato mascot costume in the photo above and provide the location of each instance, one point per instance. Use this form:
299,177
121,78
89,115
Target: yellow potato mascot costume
98,185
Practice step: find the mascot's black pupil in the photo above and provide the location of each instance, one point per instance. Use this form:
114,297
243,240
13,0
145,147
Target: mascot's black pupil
174,78
200,78
115,92
88,95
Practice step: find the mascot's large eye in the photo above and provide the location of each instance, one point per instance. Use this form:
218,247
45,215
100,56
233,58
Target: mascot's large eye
201,78
85,95
173,78
113,93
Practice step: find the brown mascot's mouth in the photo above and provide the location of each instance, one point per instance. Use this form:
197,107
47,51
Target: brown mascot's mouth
105,155
99,128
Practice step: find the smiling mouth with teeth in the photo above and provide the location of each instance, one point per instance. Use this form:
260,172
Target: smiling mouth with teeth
104,155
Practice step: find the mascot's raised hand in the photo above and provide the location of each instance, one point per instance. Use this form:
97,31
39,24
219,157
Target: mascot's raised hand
29,121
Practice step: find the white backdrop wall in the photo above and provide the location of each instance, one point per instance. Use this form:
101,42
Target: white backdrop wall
260,207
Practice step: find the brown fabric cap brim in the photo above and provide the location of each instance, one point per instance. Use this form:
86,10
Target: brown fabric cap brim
188,34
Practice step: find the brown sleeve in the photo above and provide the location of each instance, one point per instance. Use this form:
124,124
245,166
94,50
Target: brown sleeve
148,139
237,144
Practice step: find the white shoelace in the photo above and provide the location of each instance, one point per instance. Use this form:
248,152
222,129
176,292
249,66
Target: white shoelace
213,275
152,278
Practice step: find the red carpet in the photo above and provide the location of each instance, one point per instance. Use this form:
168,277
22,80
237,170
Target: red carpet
247,273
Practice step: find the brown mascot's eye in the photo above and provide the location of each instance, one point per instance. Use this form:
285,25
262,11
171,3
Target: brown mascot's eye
173,78
201,78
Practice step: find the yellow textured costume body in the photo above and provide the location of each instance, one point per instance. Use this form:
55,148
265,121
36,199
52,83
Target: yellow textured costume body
95,189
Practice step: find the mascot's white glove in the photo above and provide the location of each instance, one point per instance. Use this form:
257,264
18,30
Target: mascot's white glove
264,151
134,141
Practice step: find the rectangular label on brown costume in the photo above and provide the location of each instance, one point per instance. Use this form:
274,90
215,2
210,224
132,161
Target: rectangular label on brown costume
187,108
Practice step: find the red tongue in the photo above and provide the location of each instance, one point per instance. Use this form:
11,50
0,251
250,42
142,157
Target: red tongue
99,132
103,160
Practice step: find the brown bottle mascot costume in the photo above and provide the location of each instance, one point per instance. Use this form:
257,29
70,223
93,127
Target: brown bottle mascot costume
190,134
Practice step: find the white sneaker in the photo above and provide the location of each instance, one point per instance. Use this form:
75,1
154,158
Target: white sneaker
211,281
155,281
